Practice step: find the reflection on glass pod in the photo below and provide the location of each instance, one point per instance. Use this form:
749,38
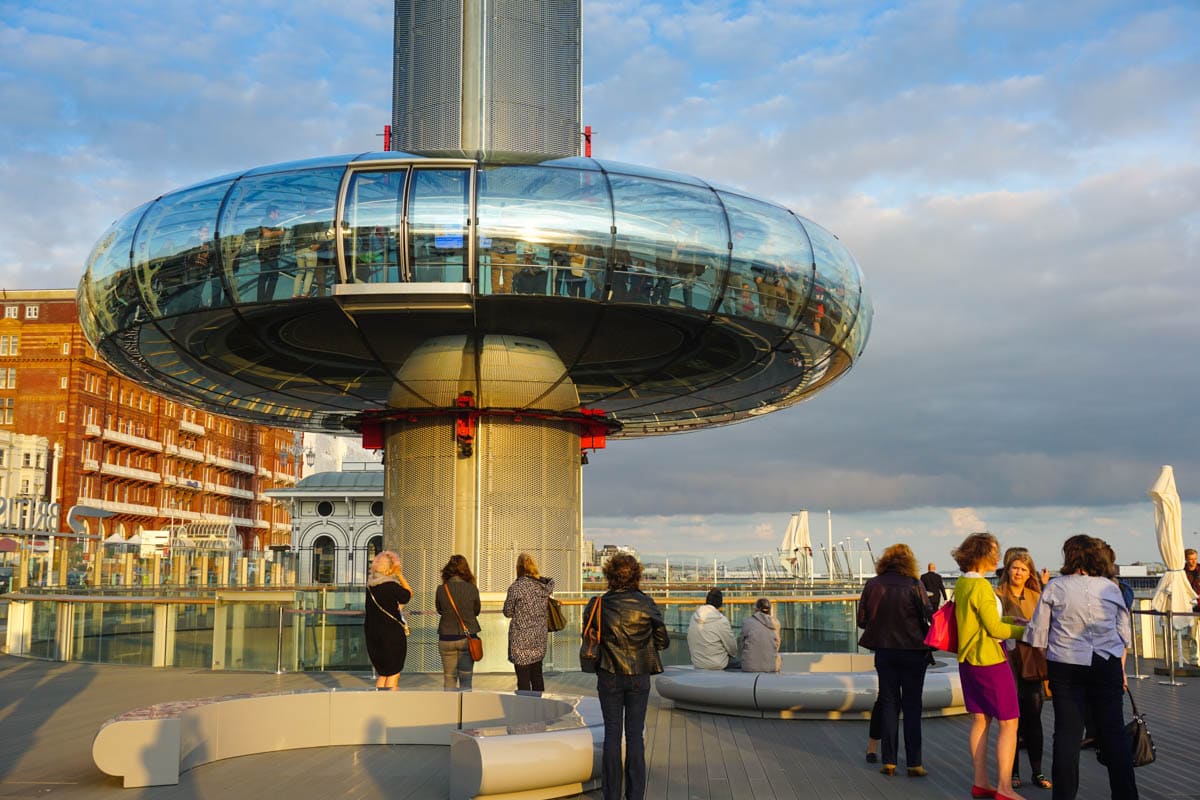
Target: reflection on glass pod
297,291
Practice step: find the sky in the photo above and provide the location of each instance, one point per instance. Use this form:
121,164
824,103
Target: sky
1020,182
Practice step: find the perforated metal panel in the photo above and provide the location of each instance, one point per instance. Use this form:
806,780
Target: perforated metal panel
532,100
427,75
531,86
418,519
529,501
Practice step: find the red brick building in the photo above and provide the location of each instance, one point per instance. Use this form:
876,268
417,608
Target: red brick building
150,460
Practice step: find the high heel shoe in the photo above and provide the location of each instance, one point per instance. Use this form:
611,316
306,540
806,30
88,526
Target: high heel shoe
917,772
888,769
1041,782
999,796
980,791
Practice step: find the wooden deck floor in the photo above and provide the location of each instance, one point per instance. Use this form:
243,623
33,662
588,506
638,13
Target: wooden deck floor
49,713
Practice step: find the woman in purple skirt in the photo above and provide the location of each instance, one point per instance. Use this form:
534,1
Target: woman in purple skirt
987,682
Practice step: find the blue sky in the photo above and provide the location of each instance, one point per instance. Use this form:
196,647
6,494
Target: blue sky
1019,180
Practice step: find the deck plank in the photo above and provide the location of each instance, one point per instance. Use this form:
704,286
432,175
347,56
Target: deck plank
49,713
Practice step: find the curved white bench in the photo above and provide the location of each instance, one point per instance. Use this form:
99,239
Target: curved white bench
811,686
501,744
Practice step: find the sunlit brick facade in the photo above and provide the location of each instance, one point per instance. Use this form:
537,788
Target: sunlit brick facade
150,460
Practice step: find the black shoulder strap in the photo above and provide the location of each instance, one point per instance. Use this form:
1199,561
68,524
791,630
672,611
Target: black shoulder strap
384,610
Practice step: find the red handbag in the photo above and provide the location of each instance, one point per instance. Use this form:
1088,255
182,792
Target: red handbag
943,629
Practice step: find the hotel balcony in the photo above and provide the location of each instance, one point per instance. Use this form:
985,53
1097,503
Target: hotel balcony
191,427
189,483
90,465
91,430
132,441
130,472
261,523
263,472
184,452
119,508
242,522
228,491
285,477
230,464
179,514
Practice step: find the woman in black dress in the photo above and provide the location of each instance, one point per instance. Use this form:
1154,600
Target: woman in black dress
383,624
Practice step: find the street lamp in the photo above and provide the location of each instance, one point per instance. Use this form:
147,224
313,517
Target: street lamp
293,452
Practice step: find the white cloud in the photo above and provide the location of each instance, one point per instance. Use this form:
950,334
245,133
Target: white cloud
966,520
1019,182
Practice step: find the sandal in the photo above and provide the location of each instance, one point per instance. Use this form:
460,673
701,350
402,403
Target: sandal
1016,781
1040,781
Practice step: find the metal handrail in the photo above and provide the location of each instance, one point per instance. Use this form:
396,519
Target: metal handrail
1168,646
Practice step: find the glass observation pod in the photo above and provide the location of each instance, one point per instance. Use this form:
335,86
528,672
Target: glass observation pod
295,294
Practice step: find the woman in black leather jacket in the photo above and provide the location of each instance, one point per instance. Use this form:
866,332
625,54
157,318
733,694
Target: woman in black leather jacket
631,634
894,615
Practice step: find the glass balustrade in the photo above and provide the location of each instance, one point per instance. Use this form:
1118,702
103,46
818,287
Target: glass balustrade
316,630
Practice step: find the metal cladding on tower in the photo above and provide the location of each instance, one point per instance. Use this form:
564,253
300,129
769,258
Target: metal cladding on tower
488,75
309,294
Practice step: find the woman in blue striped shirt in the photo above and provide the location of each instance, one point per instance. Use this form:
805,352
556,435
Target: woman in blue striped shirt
1082,621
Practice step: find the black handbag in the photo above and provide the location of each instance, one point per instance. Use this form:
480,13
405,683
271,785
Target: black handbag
589,649
556,620
1137,735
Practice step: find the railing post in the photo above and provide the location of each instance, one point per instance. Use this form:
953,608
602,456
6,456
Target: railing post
164,636
1135,632
64,631
19,632
324,619
279,646
1169,646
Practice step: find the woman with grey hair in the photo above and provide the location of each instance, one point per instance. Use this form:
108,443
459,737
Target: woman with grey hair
760,639
384,628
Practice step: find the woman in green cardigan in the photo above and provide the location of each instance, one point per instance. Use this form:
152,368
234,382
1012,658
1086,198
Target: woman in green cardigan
987,682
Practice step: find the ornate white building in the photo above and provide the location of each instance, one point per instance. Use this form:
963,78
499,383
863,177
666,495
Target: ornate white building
337,523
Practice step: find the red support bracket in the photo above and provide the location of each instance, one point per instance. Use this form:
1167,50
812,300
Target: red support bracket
464,423
593,435
372,434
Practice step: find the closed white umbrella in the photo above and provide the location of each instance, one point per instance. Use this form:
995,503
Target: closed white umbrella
1173,591
795,552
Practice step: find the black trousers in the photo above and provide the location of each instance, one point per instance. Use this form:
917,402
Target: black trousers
1099,687
529,677
623,701
901,682
1029,726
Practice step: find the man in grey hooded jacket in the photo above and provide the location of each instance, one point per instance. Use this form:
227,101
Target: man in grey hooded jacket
710,636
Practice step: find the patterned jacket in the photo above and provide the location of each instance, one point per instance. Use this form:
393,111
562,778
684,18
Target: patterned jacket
526,606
